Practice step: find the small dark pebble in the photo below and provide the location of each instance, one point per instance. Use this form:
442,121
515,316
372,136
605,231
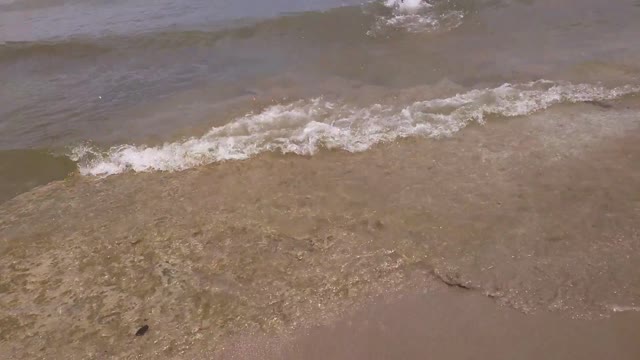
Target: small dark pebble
143,330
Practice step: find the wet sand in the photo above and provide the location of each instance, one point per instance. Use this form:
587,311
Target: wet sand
450,324
536,217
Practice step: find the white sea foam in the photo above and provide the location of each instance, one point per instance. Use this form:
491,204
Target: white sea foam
406,5
621,308
416,16
306,126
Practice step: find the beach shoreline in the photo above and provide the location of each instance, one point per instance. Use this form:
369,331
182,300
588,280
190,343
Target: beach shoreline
538,213
446,323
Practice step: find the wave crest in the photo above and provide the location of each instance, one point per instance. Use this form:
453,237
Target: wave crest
416,16
305,126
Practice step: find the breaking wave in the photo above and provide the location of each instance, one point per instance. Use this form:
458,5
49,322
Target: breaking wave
306,126
416,16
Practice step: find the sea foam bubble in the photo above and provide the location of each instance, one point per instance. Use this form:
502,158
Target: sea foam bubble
306,126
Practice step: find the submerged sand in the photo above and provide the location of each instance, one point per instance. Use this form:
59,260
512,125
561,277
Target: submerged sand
531,224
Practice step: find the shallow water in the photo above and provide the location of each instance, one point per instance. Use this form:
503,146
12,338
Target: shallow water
161,70
231,167
539,214
84,75
87,75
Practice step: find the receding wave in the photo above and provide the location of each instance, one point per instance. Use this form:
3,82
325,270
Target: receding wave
306,126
